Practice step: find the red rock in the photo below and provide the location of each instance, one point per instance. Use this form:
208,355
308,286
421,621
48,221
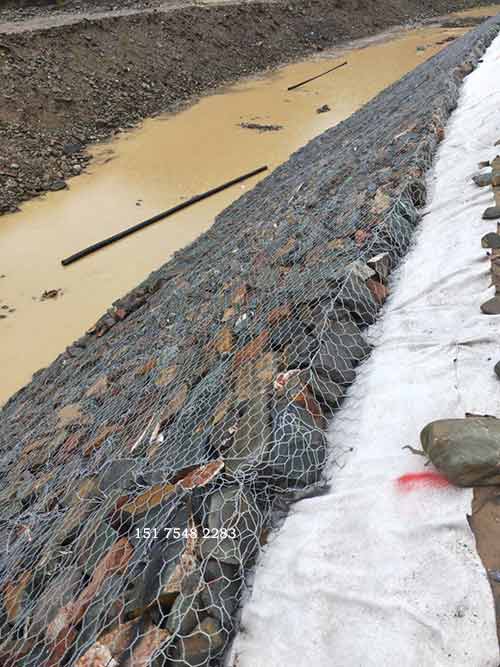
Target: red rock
149,499
99,440
202,475
144,649
148,366
360,237
98,388
254,376
176,403
97,656
380,292
252,350
166,376
240,295
13,595
224,340
118,639
69,414
278,314
60,629
68,447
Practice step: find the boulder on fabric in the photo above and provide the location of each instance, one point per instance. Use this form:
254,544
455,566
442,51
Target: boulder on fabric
465,451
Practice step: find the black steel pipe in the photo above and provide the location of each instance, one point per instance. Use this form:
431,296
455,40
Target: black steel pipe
313,78
160,216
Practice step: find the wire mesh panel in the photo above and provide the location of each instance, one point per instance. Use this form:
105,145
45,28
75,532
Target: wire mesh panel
142,471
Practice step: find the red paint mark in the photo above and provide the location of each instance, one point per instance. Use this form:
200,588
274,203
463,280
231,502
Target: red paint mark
417,480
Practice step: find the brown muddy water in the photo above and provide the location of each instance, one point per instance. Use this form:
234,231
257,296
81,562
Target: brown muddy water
166,160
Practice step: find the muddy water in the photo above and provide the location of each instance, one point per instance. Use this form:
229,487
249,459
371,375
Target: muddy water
168,159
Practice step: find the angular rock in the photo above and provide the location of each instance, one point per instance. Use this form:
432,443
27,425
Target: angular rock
256,376
58,593
355,297
119,474
298,452
150,639
70,414
379,291
99,388
300,353
148,499
205,643
234,525
117,639
329,393
381,264
252,350
97,656
222,591
335,362
252,437
184,615
224,340
93,543
13,596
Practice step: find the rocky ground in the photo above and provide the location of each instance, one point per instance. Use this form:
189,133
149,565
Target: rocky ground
203,396
70,85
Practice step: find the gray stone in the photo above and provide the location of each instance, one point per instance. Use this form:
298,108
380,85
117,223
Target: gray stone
57,185
59,592
492,306
335,362
235,510
252,436
95,541
491,240
71,149
465,451
200,647
492,213
300,352
222,591
184,615
119,474
329,393
347,336
482,180
355,297
298,453
497,369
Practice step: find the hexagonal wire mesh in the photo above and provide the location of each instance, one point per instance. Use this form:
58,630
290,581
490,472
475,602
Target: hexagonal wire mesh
141,472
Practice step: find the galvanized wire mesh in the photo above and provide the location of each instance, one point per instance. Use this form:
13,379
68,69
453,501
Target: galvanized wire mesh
141,471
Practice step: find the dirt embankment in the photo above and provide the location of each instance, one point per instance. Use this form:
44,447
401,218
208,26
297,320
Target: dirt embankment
199,367
67,86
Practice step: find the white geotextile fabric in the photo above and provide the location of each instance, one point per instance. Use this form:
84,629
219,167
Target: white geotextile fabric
369,575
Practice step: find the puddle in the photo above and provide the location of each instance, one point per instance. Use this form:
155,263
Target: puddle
165,161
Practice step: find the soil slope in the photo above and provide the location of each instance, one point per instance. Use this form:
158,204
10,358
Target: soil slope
67,86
